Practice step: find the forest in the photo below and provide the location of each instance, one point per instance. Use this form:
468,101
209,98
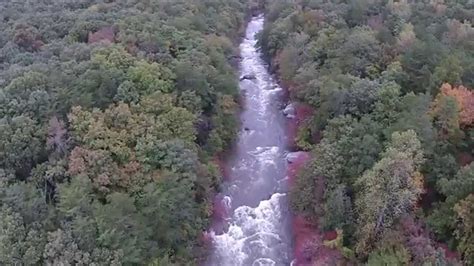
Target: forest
113,115
391,131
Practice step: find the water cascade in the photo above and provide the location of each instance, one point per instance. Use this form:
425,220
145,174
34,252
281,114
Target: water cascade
257,230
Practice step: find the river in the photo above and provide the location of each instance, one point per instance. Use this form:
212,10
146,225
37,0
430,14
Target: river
257,230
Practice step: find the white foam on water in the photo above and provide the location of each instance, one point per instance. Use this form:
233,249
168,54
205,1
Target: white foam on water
227,202
266,156
253,231
263,262
255,236
252,64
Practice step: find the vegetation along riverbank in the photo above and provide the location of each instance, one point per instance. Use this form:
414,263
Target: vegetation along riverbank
389,85
111,115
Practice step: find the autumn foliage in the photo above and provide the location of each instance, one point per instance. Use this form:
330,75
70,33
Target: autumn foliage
464,99
104,34
372,70
110,115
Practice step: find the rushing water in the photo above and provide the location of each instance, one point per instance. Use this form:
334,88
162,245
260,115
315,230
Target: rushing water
257,231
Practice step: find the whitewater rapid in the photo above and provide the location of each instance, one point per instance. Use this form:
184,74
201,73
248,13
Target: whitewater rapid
255,197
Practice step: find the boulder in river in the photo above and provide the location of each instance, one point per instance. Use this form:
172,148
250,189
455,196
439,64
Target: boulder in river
289,111
294,156
272,87
248,76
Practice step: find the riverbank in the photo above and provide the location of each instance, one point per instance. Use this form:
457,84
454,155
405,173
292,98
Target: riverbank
385,165
311,245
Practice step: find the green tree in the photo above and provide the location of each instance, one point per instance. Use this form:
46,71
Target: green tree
414,114
338,212
21,144
27,95
450,70
360,53
120,227
62,249
388,190
20,243
419,62
443,218
460,186
465,229
24,216
388,257
149,78
178,226
446,119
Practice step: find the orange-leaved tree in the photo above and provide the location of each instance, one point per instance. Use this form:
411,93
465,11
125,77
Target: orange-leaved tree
465,100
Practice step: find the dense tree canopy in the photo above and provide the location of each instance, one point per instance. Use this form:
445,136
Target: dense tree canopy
110,115
391,84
